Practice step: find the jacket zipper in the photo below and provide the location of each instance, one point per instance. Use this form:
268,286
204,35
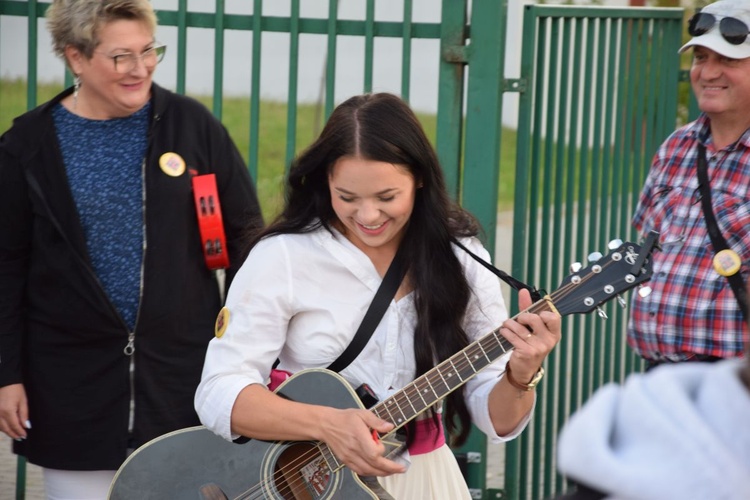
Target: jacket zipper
129,349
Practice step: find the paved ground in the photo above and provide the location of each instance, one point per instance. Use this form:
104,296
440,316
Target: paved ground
8,462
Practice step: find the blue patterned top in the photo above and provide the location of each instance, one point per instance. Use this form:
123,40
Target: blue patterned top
103,160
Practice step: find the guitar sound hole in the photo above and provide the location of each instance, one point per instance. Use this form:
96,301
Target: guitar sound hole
301,473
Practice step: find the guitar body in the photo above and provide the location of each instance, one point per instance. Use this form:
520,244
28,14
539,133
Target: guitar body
195,463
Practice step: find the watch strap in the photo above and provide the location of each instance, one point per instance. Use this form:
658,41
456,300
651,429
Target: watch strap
524,387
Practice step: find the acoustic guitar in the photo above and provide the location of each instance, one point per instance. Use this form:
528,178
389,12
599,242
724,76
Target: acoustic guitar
194,463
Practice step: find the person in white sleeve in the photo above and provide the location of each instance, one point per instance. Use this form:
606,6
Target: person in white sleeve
370,185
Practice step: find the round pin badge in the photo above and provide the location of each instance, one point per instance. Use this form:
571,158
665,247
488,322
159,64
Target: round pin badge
172,164
222,321
727,262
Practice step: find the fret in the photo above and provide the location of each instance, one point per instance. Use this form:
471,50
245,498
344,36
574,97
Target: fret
402,419
464,370
434,393
418,390
495,351
479,344
382,412
448,386
388,410
498,339
471,363
408,399
479,357
484,352
458,374
436,371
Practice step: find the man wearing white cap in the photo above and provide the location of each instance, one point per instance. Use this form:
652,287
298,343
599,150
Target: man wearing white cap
682,431
695,311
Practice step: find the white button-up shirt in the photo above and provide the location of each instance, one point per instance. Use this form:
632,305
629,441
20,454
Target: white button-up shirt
300,298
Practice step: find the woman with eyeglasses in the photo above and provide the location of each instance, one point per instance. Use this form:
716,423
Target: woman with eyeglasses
107,297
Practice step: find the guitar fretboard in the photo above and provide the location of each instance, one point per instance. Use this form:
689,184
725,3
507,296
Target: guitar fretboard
446,377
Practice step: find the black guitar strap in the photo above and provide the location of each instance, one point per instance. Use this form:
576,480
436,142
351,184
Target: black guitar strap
536,295
387,290
717,239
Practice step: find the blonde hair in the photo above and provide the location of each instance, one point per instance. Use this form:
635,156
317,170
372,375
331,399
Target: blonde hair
77,22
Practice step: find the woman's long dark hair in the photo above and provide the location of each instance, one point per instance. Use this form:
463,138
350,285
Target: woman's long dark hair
382,127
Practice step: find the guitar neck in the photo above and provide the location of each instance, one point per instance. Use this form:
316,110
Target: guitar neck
581,292
448,376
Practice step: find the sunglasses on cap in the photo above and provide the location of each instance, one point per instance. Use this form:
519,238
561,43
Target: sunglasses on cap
732,29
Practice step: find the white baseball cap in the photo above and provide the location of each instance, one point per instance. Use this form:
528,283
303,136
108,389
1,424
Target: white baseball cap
718,21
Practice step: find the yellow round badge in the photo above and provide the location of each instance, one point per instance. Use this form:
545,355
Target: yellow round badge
727,262
172,164
222,321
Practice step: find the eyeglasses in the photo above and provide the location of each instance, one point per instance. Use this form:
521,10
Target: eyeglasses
127,61
732,29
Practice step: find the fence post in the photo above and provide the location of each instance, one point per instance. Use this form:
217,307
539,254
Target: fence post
450,91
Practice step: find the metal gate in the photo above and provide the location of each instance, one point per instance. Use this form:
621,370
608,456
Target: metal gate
601,95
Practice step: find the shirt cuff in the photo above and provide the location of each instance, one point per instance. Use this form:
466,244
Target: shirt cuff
216,409
481,416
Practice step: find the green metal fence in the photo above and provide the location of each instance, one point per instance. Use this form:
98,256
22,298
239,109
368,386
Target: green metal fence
602,95
597,94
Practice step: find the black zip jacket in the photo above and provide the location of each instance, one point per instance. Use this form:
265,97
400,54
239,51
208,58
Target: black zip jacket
59,333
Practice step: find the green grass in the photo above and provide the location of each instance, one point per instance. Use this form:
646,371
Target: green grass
272,136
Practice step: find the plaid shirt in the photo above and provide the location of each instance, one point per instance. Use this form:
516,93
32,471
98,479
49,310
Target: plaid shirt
692,309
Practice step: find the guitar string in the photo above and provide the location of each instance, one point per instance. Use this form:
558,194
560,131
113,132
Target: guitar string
403,395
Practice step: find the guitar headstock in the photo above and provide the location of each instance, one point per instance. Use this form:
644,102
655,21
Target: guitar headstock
625,267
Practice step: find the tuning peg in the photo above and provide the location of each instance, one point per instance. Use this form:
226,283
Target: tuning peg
594,256
575,267
622,302
601,313
644,291
614,244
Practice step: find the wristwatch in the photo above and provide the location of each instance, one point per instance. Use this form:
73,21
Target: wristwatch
524,387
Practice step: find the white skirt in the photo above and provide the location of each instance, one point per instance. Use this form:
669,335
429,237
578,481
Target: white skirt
431,476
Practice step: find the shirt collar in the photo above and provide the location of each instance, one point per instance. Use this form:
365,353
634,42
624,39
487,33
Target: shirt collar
700,130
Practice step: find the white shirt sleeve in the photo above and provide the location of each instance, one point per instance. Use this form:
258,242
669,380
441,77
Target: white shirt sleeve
485,312
260,307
